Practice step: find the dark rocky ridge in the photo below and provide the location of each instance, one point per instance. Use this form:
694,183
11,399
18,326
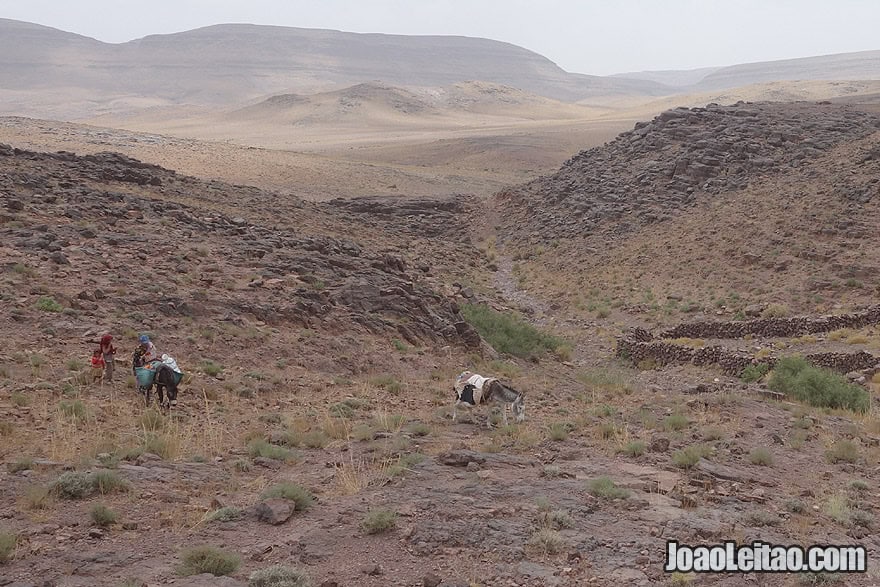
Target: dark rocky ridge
75,217
660,167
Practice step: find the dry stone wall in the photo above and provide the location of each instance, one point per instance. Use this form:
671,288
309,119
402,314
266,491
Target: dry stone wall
639,345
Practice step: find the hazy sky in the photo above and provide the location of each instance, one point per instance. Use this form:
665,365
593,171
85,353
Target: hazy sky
583,36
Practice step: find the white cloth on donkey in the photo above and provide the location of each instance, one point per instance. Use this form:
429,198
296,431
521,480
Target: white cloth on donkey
478,381
171,363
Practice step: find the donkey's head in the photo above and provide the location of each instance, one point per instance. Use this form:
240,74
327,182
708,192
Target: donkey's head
519,408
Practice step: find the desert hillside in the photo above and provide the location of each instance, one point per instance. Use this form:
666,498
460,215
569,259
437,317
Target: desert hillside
679,284
767,203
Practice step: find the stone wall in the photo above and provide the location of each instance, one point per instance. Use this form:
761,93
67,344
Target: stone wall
770,327
639,345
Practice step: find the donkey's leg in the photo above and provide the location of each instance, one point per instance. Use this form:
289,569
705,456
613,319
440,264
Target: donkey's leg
454,413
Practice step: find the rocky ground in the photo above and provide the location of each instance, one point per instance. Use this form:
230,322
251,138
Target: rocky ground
320,341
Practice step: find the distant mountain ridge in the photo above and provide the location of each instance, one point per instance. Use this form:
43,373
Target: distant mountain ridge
47,72
233,63
863,65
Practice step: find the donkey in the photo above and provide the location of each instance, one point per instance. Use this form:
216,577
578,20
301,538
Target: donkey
472,390
165,380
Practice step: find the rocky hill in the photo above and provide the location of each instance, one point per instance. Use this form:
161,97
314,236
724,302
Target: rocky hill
174,251
737,191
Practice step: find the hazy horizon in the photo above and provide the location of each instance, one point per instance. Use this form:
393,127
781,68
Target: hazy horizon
586,37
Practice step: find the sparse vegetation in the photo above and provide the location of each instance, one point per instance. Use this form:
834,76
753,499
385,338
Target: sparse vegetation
843,451
547,541
37,497
690,456
75,409
388,383
508,333
775,311
103,516
104,482
73,485
211,368
207,559
8,541
278,576
224,514
20,464
259,447
633,448
606,379
755,372
298,494
605,488
795,506
675,422
77,484
379,520
48,304
761,456
556,520
558,431
795,377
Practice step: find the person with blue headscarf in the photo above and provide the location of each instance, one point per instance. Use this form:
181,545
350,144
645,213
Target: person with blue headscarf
147,348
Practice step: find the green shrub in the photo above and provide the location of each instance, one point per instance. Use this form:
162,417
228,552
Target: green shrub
379,520
37,497
843,451
152,420
418,429
556,520
859,485
558,431
761,456
341,410
508,333
605,488
104,482
103,516
298,494
606,379
278,576
260,448
75,409
690,456
21,464
675,422
548,541
754,373
47,304
388,382
73,485
158,444
207,559
822,388
634,448
7,546
211,368
224,514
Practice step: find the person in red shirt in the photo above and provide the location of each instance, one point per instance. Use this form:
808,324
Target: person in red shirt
108,352
98,365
